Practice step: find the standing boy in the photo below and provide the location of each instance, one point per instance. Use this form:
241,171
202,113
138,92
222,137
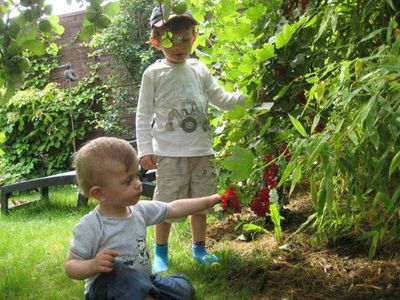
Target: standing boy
109,247
172,128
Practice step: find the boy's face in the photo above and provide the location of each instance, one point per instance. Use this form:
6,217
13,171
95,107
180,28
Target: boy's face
182,43
122,187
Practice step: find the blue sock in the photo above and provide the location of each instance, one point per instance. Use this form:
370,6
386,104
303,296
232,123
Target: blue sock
201,255
160,263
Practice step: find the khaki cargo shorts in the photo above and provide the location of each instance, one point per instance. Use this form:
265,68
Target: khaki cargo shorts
185,177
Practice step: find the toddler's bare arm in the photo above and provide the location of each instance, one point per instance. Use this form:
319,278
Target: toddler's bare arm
183,207
81,269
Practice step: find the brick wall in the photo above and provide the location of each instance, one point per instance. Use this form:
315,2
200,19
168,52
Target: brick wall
71,51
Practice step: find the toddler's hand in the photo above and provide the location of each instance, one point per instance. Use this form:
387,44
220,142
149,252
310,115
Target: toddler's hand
104,261
148,162
217,198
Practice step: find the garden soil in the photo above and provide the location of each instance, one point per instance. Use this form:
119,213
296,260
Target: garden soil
303,270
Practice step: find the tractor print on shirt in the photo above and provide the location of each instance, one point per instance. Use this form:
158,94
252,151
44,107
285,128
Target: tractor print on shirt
188,118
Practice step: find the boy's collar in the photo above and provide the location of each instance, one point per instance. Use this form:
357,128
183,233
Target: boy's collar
175,64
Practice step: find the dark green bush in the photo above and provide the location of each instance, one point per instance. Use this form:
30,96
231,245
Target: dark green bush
37,124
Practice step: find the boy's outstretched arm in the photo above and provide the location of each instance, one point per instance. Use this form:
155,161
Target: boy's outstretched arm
184,207
82,269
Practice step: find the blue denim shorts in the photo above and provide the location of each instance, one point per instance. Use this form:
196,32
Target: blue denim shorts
125,283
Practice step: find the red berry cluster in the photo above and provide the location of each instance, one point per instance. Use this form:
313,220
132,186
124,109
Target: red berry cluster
260,205
285,152
279,70
270,173
230,200
304,4
301,97
320,127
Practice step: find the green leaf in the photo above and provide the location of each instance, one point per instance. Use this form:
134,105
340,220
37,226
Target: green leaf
256,12
166,40
344,71
52,48
57,28
324,24
394,164
8,93
390,2
321,200
35,46
265,53
288,170
298,126
365,235
111,9
45,26
363,113
254,228
265,127
315,122
316,151
236,113
264,107
374,244
236,135
371,35
296,178
240,163
286,35
353,137
102,21
314,192
246,67
282,92
201,40
320,90
276,219
87,32
393,200
28,32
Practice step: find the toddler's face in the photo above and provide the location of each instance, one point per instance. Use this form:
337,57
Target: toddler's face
123,187
182,43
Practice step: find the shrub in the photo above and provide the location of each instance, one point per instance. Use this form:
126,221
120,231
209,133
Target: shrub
37,124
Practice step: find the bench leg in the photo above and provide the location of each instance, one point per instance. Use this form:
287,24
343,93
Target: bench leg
82,200
44,191
4,202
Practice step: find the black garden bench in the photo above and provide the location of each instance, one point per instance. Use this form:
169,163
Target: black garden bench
66,178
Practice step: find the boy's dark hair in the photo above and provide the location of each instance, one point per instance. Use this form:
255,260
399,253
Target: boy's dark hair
177,24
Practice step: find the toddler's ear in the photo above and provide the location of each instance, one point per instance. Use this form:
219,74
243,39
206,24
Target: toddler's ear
97,193
155,43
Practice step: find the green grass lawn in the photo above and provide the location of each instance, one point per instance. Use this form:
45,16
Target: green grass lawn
34,241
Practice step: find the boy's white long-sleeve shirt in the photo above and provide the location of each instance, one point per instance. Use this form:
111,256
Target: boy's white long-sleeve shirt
172,111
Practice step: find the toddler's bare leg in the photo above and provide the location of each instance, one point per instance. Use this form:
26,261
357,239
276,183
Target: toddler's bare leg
161,263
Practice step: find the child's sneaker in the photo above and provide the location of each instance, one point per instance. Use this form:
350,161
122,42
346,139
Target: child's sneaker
200,254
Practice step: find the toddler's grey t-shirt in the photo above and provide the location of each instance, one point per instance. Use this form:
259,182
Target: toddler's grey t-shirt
95,233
